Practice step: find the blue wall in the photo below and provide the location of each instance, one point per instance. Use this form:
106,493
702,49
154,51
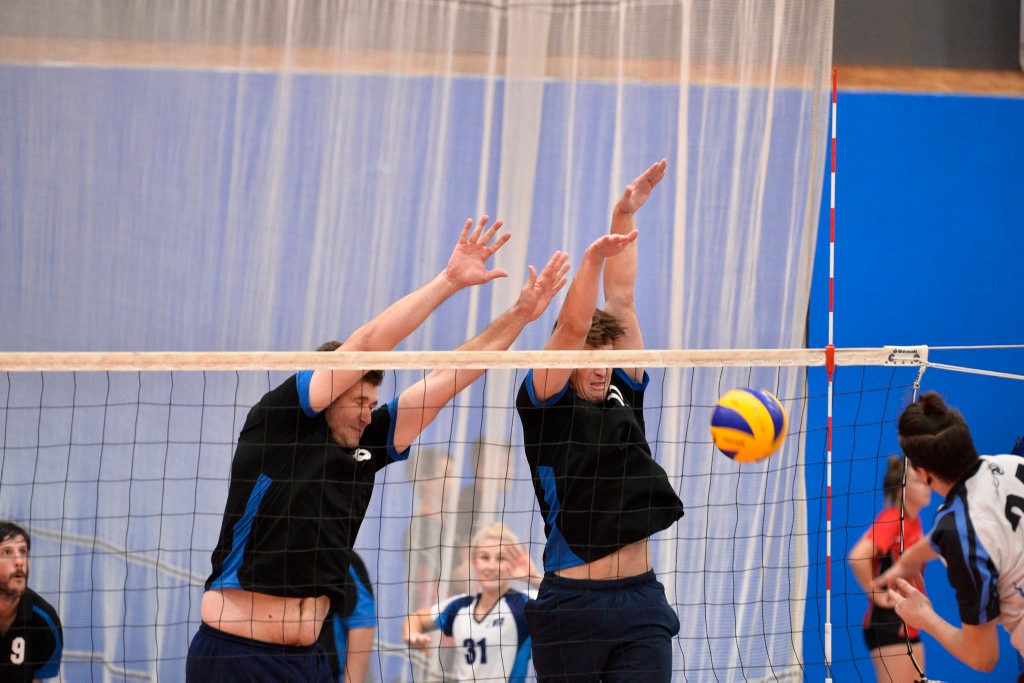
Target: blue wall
928,245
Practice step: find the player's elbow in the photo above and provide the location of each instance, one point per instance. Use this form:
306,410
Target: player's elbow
986,663
982,659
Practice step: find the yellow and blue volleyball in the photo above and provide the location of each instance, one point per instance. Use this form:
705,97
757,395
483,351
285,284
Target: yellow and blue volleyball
748,424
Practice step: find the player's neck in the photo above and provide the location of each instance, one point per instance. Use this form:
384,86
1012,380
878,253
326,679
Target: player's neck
488,599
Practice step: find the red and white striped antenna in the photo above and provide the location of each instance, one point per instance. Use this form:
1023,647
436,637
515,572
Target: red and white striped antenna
830,367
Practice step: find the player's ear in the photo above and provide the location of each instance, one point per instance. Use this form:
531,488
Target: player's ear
925,475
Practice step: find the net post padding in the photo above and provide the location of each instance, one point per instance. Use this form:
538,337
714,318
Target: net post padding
398,360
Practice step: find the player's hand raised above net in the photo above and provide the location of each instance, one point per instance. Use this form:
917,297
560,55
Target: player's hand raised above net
639,190
541,288
467,266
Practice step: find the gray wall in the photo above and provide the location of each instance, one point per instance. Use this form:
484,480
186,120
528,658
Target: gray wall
963,34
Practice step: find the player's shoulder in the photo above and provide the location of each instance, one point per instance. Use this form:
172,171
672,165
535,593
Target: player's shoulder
36,604
994,477
890,514
516,600
457,603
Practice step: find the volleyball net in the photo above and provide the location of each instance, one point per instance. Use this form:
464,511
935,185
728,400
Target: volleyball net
118,466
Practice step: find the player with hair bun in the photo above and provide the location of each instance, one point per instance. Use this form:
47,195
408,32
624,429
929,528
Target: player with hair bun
978,532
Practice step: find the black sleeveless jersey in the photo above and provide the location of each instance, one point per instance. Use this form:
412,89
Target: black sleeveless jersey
297,498
597,484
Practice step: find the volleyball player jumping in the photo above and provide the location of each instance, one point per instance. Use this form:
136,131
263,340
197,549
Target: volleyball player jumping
600,613
303,473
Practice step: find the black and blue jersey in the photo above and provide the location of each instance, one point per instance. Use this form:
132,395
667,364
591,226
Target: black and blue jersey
597,484
32,646
297,498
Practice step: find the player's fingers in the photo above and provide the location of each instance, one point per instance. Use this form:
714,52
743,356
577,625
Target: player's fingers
465,230
500,241
556,265
492,231
475,235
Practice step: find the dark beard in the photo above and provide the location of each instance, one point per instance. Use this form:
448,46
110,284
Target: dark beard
8,592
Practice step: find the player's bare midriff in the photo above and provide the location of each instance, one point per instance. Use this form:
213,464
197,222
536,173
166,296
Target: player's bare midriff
632,560
267,618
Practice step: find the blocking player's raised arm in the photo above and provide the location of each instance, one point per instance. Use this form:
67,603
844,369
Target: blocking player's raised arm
621,270
577,311
466,268
420,404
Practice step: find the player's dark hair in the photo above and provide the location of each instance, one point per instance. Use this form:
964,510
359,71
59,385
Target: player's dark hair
936,437
893,479
374,377
10,530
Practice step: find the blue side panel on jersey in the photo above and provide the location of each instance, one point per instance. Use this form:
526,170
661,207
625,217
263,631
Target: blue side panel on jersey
240,535
364,615
557,554
971,547
521,666
52,667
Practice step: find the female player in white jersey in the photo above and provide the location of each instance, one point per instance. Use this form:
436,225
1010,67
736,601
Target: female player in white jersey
489,628
978,532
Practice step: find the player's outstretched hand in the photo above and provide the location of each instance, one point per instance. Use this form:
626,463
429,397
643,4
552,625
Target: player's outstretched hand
910,604
467,266
541,288
640,189
609,245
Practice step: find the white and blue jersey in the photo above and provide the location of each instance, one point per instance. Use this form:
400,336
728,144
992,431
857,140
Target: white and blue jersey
979,532
495,648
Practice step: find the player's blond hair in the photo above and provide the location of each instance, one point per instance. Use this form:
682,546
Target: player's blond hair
496,533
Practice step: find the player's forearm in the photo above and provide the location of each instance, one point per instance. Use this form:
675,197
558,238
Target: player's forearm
499,335
620,270
981,654
403,317
357,658
577,310
919,554
860,567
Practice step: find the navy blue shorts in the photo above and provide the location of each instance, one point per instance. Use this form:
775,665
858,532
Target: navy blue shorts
218,656
618,630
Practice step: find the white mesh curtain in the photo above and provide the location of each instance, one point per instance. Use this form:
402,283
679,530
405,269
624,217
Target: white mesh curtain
214,175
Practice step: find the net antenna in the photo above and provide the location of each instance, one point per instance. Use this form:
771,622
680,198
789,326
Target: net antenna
830,367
